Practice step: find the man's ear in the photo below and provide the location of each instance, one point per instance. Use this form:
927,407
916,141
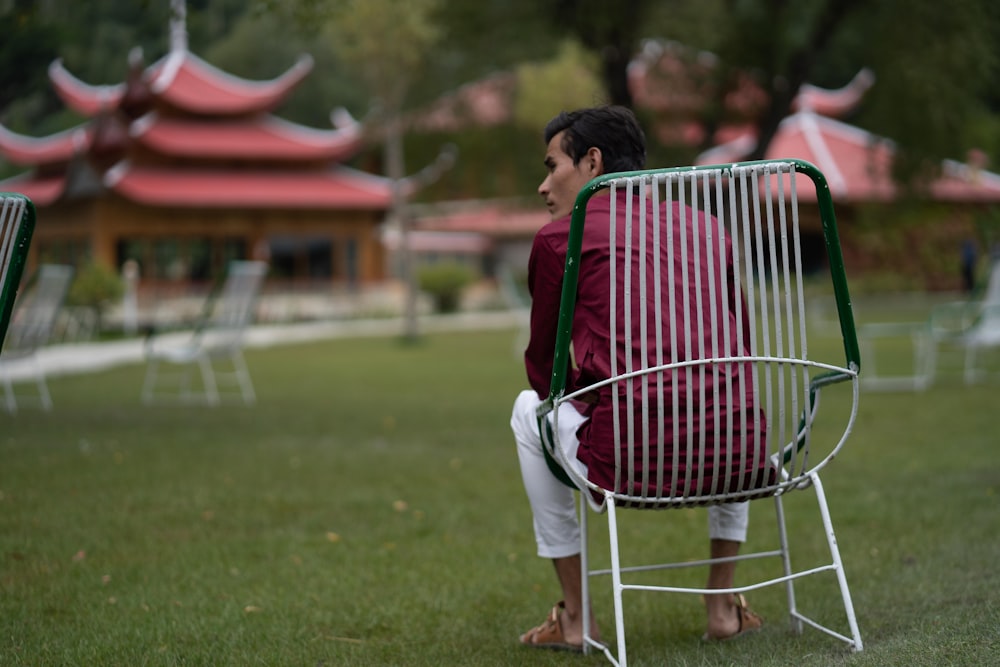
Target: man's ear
594,161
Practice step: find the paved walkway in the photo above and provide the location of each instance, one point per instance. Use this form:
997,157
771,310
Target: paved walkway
85,357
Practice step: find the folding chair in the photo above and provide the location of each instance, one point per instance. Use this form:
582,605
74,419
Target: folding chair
17,224
215,346
30,329
689,215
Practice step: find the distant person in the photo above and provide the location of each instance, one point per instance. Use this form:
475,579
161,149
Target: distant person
969,266
581,145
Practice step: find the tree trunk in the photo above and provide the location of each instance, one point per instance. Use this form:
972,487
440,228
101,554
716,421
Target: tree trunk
785,85
394,170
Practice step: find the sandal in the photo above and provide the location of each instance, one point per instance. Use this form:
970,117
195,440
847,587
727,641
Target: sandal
749,620
549,634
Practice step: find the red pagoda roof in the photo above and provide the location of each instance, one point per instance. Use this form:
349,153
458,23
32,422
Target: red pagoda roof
339,188
83,98
41,190
261,137
677,84
60,147
187,82
857,164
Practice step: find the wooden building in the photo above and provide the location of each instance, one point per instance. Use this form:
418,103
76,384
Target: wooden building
183,167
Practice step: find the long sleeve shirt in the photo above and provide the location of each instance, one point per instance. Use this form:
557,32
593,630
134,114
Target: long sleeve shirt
725,390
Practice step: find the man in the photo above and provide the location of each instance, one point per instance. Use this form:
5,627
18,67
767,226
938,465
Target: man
582,145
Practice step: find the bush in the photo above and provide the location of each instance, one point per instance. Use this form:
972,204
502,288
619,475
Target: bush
444,281
95,287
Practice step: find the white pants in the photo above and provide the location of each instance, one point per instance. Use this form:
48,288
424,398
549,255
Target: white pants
553,504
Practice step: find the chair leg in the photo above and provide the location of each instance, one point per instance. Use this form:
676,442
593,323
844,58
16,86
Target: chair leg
970,364
584,574
208,378
243,377
616,583
831,540
149,383
10,398
43,388
786,562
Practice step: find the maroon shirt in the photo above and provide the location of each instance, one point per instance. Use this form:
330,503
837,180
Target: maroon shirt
591,345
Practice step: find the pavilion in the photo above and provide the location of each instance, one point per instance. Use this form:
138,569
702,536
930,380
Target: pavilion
183,167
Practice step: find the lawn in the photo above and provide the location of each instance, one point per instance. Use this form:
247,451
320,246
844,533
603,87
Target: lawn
369,511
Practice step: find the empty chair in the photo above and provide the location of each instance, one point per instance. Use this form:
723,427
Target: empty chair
31,326
215,347
707,309
973,326
17,224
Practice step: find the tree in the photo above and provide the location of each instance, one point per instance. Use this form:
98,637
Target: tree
937,71
612,30
387,44
784,64
30,44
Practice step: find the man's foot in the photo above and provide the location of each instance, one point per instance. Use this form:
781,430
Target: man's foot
550,633
745,622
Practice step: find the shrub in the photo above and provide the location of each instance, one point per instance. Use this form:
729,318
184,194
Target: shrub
95,287
444,281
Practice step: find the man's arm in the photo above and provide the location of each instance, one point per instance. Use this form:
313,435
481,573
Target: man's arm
545,275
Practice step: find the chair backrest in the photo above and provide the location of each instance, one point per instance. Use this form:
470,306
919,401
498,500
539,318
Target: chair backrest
17,224
38,308
711,387
984,328
991,297
231,310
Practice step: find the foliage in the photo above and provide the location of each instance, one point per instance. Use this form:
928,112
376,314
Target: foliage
96,287
611,30
936,63
943,61
564,83
329,85
445,281
364,529
28,46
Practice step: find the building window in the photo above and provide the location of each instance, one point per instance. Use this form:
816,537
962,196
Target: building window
294,257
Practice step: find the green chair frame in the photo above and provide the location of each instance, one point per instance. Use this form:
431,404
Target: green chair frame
17,225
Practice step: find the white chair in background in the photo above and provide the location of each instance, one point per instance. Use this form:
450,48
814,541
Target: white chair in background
973,326
31,326
756,206
215,347
970,326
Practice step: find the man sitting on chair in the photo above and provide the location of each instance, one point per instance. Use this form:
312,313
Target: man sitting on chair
582,145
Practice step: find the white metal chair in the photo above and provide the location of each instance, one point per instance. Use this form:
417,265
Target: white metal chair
215,346
32,323
17,224
972,326
755,207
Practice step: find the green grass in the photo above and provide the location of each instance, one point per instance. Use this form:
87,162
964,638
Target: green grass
369,511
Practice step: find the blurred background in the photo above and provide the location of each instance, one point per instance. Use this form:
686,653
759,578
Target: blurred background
382,156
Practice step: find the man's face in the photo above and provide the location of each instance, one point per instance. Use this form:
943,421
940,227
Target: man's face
564,180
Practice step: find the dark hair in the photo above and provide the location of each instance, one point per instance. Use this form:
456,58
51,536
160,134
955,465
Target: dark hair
613,129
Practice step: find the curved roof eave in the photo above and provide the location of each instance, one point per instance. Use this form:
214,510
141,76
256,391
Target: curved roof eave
55,148
336,189
265,137
86,99
42,191
184,80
